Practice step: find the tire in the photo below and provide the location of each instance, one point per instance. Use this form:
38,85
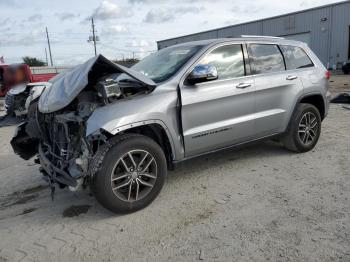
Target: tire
135,195
300,136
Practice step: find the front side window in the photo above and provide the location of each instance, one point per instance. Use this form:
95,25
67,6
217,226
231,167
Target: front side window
265,58
228,60
295,57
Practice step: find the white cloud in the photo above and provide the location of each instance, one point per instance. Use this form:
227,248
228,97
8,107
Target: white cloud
31,38
138,43
108,10
33,18
112,29
159,16
5,21
66,16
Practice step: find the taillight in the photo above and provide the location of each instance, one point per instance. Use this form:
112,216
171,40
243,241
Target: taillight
328,74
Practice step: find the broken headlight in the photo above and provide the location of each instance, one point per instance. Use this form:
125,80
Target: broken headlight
108,88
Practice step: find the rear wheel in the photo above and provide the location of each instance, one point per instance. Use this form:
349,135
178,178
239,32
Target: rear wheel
304,129
132,174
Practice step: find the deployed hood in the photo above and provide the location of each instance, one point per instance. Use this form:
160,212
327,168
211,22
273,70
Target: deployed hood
67,85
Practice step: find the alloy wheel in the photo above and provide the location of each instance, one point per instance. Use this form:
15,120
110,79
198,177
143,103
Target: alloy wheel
308,128
134,175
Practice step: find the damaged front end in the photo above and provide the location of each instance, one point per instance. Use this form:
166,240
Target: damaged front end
56,129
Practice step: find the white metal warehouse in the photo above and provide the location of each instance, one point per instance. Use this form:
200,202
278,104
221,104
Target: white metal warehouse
326,29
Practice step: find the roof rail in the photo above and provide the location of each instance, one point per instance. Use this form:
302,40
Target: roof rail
262,36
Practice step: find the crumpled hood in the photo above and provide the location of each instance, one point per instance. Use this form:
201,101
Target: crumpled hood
67,85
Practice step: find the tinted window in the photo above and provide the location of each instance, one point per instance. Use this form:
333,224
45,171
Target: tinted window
228,61
265,58
295,57
163,64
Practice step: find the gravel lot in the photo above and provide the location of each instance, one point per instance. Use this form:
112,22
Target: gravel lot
254,204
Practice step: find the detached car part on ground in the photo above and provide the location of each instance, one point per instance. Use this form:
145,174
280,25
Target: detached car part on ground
118,130
18,99
346,68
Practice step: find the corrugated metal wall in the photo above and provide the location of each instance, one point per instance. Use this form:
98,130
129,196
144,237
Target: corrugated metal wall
340,33
327,26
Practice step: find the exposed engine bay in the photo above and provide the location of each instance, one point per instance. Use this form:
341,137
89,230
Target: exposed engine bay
59,139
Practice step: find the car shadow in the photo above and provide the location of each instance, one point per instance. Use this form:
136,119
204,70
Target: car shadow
82,205
262,149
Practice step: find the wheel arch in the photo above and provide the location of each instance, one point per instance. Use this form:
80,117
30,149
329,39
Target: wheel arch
315,99
154,129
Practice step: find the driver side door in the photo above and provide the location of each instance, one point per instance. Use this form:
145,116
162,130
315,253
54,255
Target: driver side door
219,113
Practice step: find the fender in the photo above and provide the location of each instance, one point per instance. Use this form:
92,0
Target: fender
325,99
303,96
154,108
120,129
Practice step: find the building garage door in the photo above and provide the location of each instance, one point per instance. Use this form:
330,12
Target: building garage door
304,37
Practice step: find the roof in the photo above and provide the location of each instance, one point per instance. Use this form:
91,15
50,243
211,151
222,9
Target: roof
259,20
246,38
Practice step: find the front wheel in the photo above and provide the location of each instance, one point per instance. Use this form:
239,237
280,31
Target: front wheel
132,174
304,129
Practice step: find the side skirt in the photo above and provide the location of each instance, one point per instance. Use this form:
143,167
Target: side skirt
239,145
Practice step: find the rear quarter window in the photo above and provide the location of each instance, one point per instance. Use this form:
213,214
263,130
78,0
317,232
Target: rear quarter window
295,57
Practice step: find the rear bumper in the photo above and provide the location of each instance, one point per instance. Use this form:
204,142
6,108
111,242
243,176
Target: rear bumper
55,174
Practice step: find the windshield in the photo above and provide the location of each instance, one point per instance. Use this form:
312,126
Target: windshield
163,64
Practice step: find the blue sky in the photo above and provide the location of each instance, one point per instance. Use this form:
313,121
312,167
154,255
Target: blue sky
124,26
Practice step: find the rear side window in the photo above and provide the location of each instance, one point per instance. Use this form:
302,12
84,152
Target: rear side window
295,57
265,58
227,59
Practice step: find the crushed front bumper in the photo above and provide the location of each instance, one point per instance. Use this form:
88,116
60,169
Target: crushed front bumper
55,174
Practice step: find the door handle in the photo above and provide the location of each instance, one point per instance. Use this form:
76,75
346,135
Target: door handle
243,85
291,77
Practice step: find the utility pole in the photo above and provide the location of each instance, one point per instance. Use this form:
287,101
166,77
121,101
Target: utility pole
47,63
94,37
48,42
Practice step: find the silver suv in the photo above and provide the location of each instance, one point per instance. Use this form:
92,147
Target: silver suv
118,130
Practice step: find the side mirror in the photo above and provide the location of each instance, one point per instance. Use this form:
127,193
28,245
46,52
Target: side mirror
202,73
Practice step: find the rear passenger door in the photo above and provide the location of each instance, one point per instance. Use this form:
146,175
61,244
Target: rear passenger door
299,64
276,88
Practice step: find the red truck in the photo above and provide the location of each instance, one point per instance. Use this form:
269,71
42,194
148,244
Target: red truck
14,74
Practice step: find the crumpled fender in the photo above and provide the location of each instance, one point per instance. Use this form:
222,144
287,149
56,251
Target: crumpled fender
145,107
158,107
35,93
